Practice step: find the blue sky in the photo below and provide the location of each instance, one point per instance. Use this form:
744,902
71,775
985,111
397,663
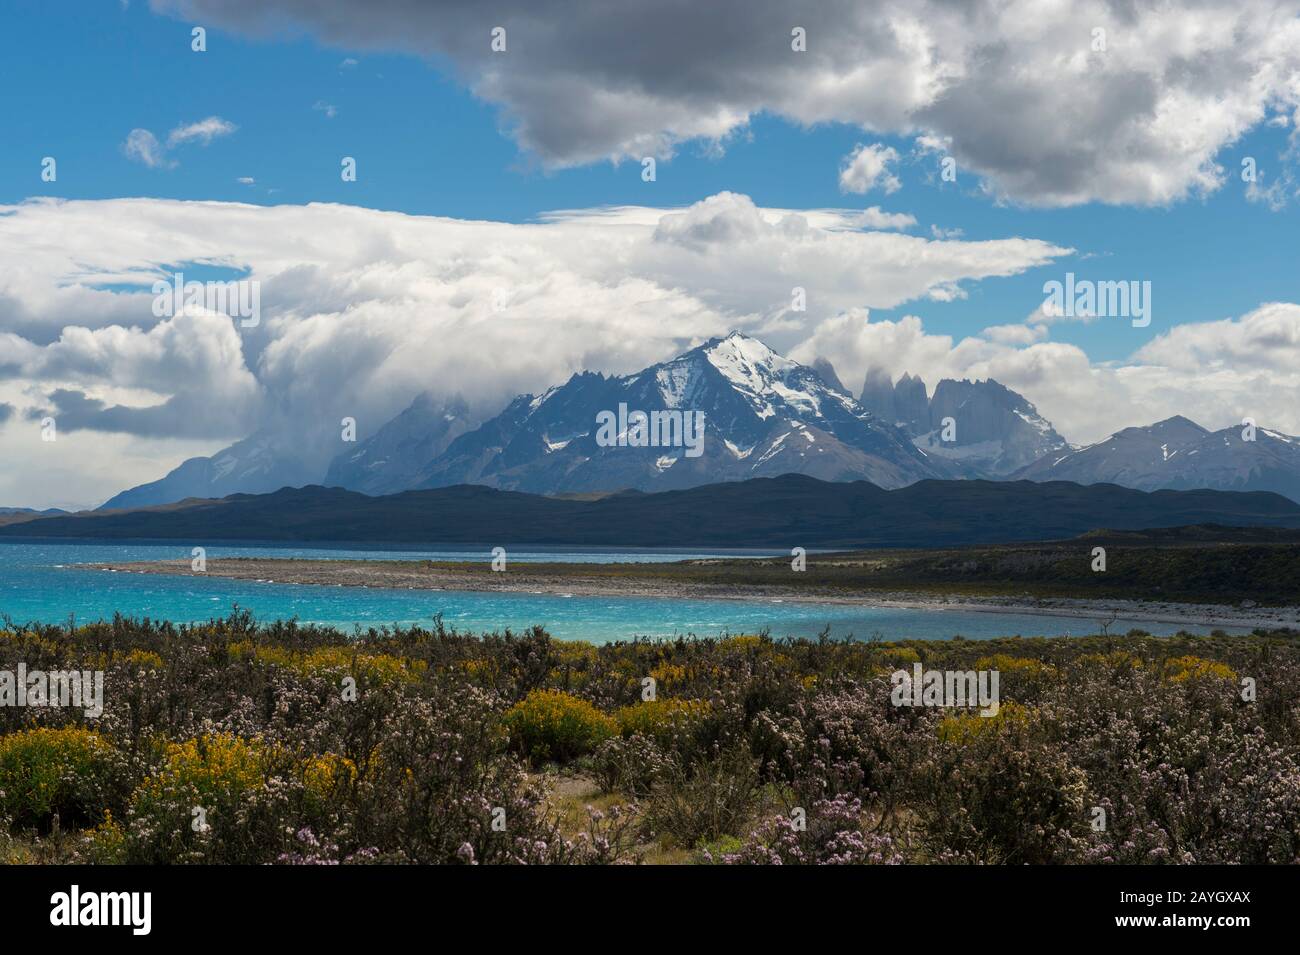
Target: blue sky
426,145
1106,153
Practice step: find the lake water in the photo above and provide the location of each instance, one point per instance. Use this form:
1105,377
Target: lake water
40,581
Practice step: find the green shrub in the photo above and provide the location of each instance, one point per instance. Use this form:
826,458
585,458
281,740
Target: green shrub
714,801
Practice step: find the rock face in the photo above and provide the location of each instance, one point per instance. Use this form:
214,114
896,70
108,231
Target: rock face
878,395
1179,454
994,431
255,465
763,414
827,372
394,457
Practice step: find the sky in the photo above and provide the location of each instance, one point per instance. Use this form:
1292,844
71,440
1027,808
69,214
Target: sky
921,170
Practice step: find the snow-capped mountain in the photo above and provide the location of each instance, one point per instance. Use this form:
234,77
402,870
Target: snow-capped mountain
258,464
396,456
1179,454
994,431
764,415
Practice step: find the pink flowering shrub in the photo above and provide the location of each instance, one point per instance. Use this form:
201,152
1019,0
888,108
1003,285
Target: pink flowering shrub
832,833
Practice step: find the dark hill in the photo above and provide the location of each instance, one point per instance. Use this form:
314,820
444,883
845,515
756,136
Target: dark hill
788,511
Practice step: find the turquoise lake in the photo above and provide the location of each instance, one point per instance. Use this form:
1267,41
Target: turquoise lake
40,581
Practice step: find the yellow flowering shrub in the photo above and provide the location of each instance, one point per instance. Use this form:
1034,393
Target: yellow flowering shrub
668,675
1115,660
899,656
551,724
743,642
964,728
146,659
660,719
44,771
205,771
106,843
324,774
573,652
1005,663
1180,669
328,661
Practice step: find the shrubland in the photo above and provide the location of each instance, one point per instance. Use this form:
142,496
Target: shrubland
240,742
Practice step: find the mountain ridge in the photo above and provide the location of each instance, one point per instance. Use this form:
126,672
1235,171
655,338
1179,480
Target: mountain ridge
1177,453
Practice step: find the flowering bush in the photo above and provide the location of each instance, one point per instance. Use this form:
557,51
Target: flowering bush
661,720
831,833
550,724
44,772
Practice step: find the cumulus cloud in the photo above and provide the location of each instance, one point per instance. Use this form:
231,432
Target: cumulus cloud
873,217
1215,373
870,167
1015,334
1024,98
190,366
727,235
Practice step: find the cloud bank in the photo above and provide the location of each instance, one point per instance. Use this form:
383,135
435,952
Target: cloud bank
361,310
1049,104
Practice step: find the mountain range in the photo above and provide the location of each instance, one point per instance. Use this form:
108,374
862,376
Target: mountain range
1178,453
785,512
763,415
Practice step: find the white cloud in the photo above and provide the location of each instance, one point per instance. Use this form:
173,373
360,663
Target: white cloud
201,132
873,217
1012,88
143,146
1215,373
328,109
869,167
1015,334
1267,339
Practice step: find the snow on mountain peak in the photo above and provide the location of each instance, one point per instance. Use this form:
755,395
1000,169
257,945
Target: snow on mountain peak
759,373
738,357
